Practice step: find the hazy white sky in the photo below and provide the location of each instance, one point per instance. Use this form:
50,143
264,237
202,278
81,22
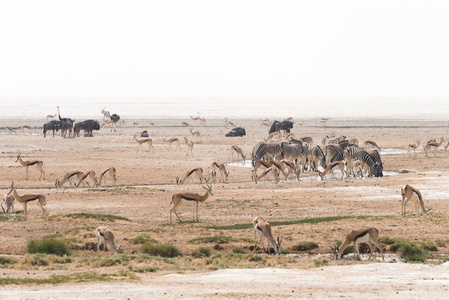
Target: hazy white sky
224,48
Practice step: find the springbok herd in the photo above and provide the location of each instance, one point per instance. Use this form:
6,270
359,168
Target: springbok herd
283,152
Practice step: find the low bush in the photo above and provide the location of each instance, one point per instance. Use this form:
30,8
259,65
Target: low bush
49,246
218,239
201,252
162,250
142,239
305,246
412,253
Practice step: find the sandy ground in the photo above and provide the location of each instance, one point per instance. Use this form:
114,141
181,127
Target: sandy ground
238,201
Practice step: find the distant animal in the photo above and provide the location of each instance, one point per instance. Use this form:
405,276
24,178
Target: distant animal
27,127
52,125
88,126
144,134
106,114
50,117
185,124
278,126
238,131
66,126
64,119
115,118
8,200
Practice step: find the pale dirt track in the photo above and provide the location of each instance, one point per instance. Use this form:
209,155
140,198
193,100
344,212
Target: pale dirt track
238,201
368,281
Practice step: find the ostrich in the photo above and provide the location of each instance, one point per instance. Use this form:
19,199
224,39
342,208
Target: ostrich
64,119
114,118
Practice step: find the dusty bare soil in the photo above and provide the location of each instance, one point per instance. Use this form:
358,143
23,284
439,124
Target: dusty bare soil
235,202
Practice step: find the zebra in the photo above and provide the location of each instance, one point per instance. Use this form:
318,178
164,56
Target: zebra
315,156
333,153
354,153
377,162
266,151
294,152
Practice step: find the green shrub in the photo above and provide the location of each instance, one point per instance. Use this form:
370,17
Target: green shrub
305,246
239,250
145,270
5,260
160,250
429,246
201,252
412,253
49,246
142,239
218,239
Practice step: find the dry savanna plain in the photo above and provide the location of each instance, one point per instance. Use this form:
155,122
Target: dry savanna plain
138,211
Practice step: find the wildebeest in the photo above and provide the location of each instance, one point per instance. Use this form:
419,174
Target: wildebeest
66,126
88,126
144,134
238,131
278,126
52,125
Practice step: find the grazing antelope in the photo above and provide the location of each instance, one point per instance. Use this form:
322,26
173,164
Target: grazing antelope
185,124
142,141
357,169
112,172
91,175
24,199
228,123
410,193
258,164
300,124
222,168
292,169
433,144
413,146
194,118
196,134
330,167
27,127
290,119
273,136
371,144
171,141
198,172
104,235
68,177
8,200
39,164
358,235
178,199
273,170
135,124
10,129
189,145
239,152
264,229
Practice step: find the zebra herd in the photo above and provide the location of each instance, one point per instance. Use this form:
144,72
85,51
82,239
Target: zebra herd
309,156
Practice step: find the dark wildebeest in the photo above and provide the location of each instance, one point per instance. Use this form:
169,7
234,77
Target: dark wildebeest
52,125
278,126
114,118
238,131
66,126
88,126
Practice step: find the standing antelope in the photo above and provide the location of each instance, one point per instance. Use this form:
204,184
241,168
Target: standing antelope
24,199
68,177
413,146
239,152
178,199
26,164
358,235
27,127
410,193
433,144
112,172
222,168
371,144
264,229
189,145
171,141
50,117
104,235
198,173
330,167
323,121
196,134
145,140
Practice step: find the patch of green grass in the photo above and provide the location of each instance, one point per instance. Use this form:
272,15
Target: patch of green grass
99,217
41,259
76,230
11,216
7,260
412,253
201,252
239,250
429,246
218,239
293,222
145,270
163,250
320,262
79,277
305,246
142,239
49,246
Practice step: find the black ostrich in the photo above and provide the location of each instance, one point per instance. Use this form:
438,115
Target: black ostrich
114,118
64,119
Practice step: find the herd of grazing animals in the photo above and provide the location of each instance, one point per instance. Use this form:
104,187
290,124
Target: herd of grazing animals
287,156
